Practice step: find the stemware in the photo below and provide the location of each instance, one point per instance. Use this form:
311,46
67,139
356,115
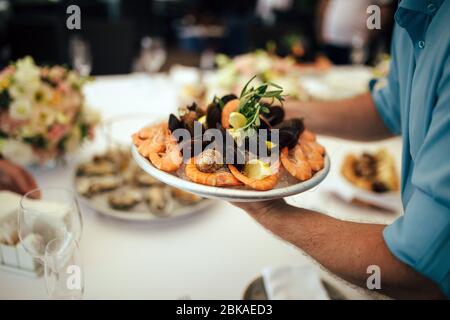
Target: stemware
153,54
46,214
64,276
80,55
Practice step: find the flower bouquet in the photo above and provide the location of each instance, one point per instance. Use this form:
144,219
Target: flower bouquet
43,115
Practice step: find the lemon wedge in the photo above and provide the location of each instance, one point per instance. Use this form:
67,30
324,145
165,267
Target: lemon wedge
257,169
270,145
237,120
202,119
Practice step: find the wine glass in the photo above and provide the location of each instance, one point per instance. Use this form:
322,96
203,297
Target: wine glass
153,54
55,214
80,55
64,277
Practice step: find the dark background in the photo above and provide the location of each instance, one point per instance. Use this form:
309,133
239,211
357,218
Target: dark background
114,28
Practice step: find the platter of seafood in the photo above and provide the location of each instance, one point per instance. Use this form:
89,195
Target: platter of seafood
235,148
112,184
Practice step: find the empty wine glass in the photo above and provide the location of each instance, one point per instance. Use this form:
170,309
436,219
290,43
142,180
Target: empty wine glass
153,54
64,277
55,215
80,55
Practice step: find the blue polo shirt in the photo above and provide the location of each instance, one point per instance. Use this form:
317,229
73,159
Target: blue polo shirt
416,105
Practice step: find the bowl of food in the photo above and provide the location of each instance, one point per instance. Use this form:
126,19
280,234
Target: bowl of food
236,148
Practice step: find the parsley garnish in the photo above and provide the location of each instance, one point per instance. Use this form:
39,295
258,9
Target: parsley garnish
250,99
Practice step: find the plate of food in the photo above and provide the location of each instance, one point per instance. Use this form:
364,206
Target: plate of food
368,178
112,184
236,149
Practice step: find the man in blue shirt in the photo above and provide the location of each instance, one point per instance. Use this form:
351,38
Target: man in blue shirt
414,252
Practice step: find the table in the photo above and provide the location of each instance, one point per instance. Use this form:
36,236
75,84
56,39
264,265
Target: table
212,255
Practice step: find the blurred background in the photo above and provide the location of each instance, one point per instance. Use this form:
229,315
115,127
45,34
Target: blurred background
115,35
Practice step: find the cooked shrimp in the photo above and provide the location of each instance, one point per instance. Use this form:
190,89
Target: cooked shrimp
170,158
308,135
149,132
230,106
298,165
309,138
219,178
151,139
267,183
314,158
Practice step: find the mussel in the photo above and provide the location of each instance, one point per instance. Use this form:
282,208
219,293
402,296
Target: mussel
275,115
174,123
195,108
213,115
289,131
263,123
227,98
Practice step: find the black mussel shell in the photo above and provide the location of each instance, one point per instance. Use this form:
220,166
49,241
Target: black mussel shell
275,115
228,98
193,107
264,124
213,115
174,123
289,131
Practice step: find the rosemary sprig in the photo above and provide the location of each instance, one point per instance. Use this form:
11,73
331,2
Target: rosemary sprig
251,97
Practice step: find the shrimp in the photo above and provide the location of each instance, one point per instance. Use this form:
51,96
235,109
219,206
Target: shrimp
170,158
298,167
314,158
265,184
230,106
150,139
308,135
309,138
216,179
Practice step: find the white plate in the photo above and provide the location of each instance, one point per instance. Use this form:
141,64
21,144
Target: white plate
229,194
103,208
141,212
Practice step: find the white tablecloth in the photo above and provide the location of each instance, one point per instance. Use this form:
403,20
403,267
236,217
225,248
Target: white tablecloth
212,255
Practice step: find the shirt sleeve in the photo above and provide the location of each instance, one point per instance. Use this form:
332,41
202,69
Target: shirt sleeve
421,237
387,98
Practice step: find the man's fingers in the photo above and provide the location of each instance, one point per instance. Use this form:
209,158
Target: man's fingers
20,183
15,178
31,183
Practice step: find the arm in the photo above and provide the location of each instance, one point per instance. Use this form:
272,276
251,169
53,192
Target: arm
356,118
344,248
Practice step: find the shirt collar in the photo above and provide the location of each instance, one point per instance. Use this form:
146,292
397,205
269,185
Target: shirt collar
421,5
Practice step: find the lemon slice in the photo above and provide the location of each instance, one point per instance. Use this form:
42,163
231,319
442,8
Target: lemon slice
257,169
270,145
202,119
237,120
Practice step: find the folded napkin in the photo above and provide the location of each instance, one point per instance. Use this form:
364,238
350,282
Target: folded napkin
293,283
10,202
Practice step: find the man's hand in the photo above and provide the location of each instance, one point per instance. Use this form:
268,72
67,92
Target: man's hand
259,209
15,178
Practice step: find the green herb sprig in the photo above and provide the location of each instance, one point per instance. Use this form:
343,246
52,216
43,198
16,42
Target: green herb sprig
250,101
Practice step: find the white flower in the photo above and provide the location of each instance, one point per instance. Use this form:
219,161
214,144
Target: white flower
26,78
26,71
20,109
17,152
